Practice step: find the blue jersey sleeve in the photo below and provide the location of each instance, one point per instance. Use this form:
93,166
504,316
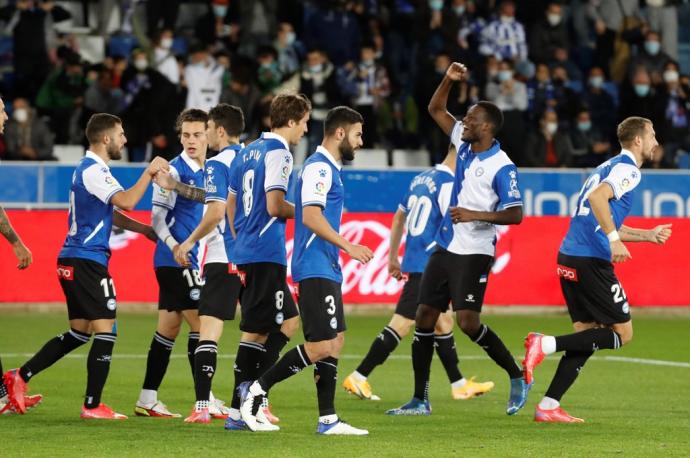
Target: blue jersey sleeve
402,206
506,187
234,182
216,181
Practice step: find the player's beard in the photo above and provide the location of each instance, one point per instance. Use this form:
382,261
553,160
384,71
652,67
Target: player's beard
347,151
114,151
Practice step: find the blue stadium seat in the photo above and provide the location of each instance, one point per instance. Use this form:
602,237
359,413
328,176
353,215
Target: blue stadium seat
179,46
121,45
683,159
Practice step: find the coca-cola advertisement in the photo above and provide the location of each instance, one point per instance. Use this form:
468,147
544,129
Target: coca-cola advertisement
524,271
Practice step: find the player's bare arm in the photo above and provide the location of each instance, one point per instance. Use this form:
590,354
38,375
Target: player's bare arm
658,234
230,209
397,228
167,181
512,215
24,257
599,202
215,211
439,101
313,218
129,224
277,206
127,200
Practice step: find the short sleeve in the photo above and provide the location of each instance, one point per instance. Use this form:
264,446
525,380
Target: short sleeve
163,197
623,178
216,181
317,178
101,183
506,187
234,183
456,135
444,197
403,205
278,165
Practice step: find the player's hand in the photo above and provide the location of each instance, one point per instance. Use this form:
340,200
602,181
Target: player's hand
619,252
360,253
150,234
181,253
461,215
24,256
156,165
456,71
394,269
660,234
163,179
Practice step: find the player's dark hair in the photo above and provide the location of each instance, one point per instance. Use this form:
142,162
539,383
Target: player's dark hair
288,107
98,125
190,115
493,115
630,128
341,116
229,117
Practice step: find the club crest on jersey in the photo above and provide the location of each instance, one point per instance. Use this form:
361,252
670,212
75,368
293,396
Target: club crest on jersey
210,186
514,190
322,173
479,172
194,294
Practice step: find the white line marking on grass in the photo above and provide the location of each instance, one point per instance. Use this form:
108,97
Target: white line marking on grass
615,359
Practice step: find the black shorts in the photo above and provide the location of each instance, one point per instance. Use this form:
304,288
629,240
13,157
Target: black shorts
321,309
220,292
409,298
266,300
458,278
591,290
88,288
178,288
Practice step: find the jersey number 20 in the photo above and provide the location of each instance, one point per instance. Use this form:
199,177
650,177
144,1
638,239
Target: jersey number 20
420,209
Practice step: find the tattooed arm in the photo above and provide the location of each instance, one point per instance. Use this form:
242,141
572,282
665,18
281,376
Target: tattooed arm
658,234
22,253
166,181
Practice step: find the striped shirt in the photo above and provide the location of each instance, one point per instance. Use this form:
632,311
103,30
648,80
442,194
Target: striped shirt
504,40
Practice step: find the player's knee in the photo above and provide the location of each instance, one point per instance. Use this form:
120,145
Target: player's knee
444,325
625,335
169,331
290,327
316,351
401,325
426,317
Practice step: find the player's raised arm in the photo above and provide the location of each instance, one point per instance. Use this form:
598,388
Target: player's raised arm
128,199
125,222
190,192
397,229
24,257
439,101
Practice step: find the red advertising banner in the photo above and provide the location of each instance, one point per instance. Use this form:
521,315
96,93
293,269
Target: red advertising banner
524,272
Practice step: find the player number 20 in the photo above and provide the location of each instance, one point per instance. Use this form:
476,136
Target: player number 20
420,209
618,293
247,197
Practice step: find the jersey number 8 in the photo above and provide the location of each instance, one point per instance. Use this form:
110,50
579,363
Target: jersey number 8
247,197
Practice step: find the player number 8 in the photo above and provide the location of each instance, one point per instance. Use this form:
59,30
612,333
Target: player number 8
280,296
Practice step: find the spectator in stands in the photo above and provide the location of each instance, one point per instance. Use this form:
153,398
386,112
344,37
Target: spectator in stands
676,104
161,11
319,83
218,27
290,50
549,34
258,21
561,58
641,98
549,146
565,100
651,57
269,75
242,93
600,104
204,78
590,144
336,30
505,36
540,93
27,136
101,97
163,58
663,16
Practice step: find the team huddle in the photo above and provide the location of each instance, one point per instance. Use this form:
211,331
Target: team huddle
219,228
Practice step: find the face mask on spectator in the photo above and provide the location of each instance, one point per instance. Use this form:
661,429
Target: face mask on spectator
166,43
507,18
21,115
436,5
459,10
505,75
551,127
652,47
642,90
671,76
290,38
584,126
316,68
220,10
554,19
368,62
596,81
141,64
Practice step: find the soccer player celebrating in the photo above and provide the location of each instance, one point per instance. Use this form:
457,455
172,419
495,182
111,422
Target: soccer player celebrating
260,181
596,301
320,196
174,217
421,212
485,193
82,266
222,287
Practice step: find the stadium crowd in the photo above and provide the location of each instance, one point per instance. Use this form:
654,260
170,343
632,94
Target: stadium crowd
564,73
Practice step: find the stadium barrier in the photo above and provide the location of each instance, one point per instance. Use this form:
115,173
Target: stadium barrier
524,272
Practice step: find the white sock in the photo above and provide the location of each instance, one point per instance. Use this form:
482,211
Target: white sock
328,419
148,397
459,384
548,403
256,389
548,344
359,377
234,414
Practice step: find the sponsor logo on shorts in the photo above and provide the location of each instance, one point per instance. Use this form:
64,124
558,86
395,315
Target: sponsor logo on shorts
65,272
279,318
243,277
194,294
626,307
232,269
111,304
334,323
469,298
483,278
566,272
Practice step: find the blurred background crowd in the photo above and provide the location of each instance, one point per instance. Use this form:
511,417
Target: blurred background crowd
564,73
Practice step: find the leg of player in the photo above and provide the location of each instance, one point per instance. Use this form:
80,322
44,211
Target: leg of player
383,345
97,367
461,388
192,319
326,378
205,359
250,352
49,354
422,353
168,328
470,323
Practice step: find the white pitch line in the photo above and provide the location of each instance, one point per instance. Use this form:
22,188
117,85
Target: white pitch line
615,359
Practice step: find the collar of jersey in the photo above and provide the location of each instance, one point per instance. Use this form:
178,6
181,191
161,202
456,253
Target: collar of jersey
329,156
629,153
484,155
95,157
444,168
191,163
274,136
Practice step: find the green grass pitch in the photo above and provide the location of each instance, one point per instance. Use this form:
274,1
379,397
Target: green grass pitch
634,401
